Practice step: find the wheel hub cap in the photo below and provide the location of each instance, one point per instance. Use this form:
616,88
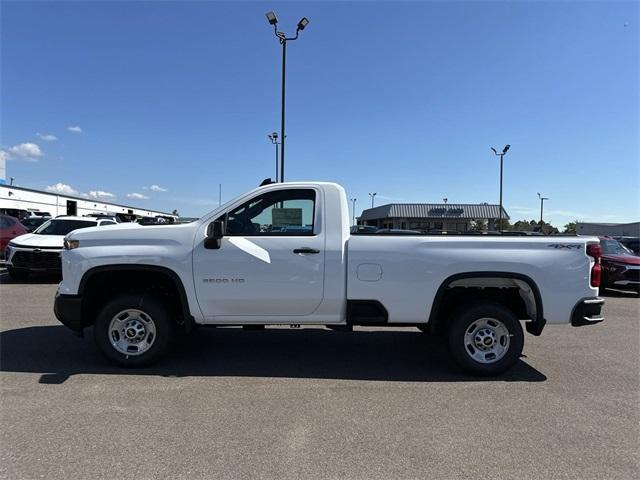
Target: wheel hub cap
132,332
487,340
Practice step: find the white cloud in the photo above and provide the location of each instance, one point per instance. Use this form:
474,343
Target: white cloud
101,194
137,196
62,188
23,151
75,129
158,188
47,137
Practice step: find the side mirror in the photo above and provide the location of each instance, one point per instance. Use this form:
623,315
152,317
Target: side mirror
215,232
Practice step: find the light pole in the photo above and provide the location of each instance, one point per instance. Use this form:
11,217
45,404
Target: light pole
542,199
353,221
501,155
274,139
372,195
283,39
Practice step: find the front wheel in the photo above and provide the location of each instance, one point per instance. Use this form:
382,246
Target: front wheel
486,339
134,330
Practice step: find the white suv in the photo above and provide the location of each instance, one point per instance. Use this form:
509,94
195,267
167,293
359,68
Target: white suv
39,251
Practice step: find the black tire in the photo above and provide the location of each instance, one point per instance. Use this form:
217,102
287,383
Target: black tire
497,316
18,275
153,309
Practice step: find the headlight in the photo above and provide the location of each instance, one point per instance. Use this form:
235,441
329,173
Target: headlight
71,244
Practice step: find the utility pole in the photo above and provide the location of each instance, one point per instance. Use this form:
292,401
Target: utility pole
353,221
542,199
219,194
283,39
372,195
501,155
274,140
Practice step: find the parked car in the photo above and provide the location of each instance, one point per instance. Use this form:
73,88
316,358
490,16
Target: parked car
40,251
620,266
364,229
14,212
37,213
138,286
10,228
31,223
632,243
104,216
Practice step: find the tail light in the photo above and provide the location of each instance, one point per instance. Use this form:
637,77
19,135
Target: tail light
594,251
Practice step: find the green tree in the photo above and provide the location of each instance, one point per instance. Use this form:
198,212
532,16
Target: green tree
505,225
479,225
570,227
522,226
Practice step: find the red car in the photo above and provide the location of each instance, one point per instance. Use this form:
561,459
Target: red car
620,266
10,228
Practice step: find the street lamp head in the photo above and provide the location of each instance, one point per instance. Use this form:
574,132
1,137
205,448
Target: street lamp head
539,195
275,135
271,17
304,21
494,150
506,148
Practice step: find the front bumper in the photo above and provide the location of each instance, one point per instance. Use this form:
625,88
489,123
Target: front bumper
587,312
622,276
33,259
68,309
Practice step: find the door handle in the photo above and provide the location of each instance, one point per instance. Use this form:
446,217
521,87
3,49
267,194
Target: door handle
306,250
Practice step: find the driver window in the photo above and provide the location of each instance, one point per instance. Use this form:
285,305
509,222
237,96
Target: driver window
283,212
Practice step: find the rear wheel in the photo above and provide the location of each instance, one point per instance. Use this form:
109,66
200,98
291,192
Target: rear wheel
486,339
19,275
134,330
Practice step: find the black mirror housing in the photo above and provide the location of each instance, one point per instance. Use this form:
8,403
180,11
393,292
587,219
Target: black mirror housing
215,232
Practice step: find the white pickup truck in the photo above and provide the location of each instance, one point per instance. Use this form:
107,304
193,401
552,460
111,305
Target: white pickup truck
283,254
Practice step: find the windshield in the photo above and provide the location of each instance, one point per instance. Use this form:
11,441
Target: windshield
613,247
62,227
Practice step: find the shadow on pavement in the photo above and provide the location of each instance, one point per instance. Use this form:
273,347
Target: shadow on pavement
307,353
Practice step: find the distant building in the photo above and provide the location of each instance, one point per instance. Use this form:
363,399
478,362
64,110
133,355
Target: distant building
432,216
14,198
610,229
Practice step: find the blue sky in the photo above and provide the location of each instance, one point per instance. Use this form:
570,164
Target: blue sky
399,98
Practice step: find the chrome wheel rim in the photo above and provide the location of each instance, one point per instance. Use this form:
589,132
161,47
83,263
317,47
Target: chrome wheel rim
487,340
132,332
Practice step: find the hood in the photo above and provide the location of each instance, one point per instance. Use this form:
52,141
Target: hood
34,240
134,234
626,259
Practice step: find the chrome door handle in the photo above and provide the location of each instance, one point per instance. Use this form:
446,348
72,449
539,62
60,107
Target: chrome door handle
306,250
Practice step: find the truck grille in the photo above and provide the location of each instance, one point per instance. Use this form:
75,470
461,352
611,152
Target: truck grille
37,260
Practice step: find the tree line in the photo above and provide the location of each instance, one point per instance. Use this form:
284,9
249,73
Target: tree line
526,226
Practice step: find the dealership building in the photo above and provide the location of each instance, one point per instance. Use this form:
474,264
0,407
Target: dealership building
611,229
14,199
432,216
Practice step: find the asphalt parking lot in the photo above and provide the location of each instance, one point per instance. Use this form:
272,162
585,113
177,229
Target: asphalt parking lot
312,403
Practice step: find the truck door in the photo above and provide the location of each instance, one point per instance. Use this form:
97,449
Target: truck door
270,261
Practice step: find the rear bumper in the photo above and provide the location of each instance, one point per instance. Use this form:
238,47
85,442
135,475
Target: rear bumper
587,312
68,309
